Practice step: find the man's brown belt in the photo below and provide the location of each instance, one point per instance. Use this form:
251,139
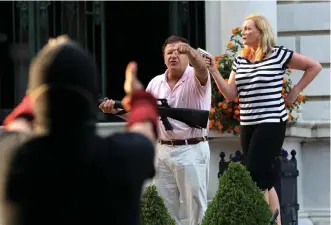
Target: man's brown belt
190,141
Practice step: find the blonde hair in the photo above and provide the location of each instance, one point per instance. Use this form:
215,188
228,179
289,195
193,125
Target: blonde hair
266,41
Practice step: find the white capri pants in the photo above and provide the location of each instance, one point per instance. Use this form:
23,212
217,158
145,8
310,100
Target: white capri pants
182,175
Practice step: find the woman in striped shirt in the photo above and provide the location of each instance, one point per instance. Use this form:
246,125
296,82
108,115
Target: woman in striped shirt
257,78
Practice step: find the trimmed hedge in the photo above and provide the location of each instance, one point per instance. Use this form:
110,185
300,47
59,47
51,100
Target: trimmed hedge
153,210
238,200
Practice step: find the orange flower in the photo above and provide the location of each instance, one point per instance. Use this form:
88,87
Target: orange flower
217,64
236,112
284,80
224,106
226,80
219,125
219,104
301,98
212,110
236,129
230,45
219,57
290,117
234,30
283,91
236,100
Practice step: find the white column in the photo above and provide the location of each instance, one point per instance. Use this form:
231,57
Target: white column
213,27
222,16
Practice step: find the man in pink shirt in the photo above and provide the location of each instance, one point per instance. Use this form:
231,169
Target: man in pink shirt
182,159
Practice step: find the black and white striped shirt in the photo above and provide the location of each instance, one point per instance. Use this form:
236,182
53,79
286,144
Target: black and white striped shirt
259,87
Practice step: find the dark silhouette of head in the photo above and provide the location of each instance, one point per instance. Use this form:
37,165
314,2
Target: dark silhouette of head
63,85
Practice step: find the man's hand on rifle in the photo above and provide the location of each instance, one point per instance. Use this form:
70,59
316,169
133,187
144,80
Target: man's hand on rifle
107,106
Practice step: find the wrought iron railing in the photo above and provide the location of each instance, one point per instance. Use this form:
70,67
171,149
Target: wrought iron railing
35,22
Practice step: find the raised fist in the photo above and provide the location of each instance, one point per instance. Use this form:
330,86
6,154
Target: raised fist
183,48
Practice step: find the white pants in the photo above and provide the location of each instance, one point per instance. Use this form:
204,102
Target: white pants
182,174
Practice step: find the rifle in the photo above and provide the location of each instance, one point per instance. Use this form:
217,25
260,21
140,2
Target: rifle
192,117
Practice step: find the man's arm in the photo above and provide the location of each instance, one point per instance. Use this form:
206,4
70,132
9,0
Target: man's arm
21,117
10,145
126,115
144,127
107,106
136,146
197,61
143,116
142,106
19,125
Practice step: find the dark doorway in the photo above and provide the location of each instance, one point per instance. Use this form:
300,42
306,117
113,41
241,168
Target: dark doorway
137,30
114,32
6,62
134,31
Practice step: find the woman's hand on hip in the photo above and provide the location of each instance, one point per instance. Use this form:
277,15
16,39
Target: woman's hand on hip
292,96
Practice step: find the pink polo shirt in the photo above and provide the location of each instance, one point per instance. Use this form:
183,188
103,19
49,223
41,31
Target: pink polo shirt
188,93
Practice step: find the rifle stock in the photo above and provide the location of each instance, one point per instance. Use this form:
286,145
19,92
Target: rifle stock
192,117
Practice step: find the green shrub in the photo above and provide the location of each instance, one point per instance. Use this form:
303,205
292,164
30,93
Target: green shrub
153,210
238,200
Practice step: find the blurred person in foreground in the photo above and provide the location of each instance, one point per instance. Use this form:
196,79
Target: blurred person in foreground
65,173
